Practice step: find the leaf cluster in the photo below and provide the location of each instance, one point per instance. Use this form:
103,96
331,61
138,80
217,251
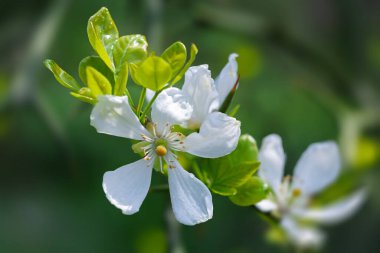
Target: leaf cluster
119,58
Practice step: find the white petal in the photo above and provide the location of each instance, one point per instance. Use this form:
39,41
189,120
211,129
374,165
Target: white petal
336,212
227,78
302,237
200,89
172,107
127,187
266,206
272,158
317,168
191,199
218,136
149,95
113,115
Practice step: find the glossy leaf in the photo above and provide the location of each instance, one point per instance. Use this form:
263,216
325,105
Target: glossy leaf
102,34
129,49
250,193
193,53
226,174
121,79
97,82
84,95
153,73
175,55
62,76
96,63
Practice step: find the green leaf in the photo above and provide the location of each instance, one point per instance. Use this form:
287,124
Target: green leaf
96,63
62,76
129,49
226,174
253,191
121,79
84,95
102,34
193,53
175,55
153,73
97,82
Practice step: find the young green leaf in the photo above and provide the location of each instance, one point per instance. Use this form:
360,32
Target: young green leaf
121,79
85,95
250,193
153,73
193,53
97,82
226,174
102,34
96,63
62,76
129,49
175,55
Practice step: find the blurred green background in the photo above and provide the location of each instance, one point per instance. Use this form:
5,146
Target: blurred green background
309,72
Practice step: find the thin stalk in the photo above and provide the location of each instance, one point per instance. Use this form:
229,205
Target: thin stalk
159,188
142,116
173,233
130,100
141,101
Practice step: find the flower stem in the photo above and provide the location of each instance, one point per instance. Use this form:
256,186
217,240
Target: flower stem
131,103
159,188
142,116
141,101
175,244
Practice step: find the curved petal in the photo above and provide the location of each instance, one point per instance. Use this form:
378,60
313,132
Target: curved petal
317,168
302,237
227,78
171,107
127,187
112,115
218,136
149,95
266,206
191,199
336,212
272,158
200,89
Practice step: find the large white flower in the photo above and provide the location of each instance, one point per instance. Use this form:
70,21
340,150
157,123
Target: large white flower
200,95
127,186
317,168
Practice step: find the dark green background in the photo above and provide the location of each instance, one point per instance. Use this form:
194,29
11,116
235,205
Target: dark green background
309,72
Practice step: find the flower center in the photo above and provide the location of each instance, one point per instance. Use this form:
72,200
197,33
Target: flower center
296,192
161,150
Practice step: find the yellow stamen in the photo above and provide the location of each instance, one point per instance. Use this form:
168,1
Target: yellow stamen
161,150
296,192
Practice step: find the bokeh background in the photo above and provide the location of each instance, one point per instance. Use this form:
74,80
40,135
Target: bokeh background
310,71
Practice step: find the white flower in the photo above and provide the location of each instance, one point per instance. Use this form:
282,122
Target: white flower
317,168
127,186
200,95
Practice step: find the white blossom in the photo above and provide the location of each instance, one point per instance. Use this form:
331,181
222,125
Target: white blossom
318,167
200,95
127,186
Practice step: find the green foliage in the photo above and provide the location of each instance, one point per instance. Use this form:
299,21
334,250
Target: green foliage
226,174
118,57
84,95
96,75
153,73
250,192
102,34
62,76
129,49
175,55
193,54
